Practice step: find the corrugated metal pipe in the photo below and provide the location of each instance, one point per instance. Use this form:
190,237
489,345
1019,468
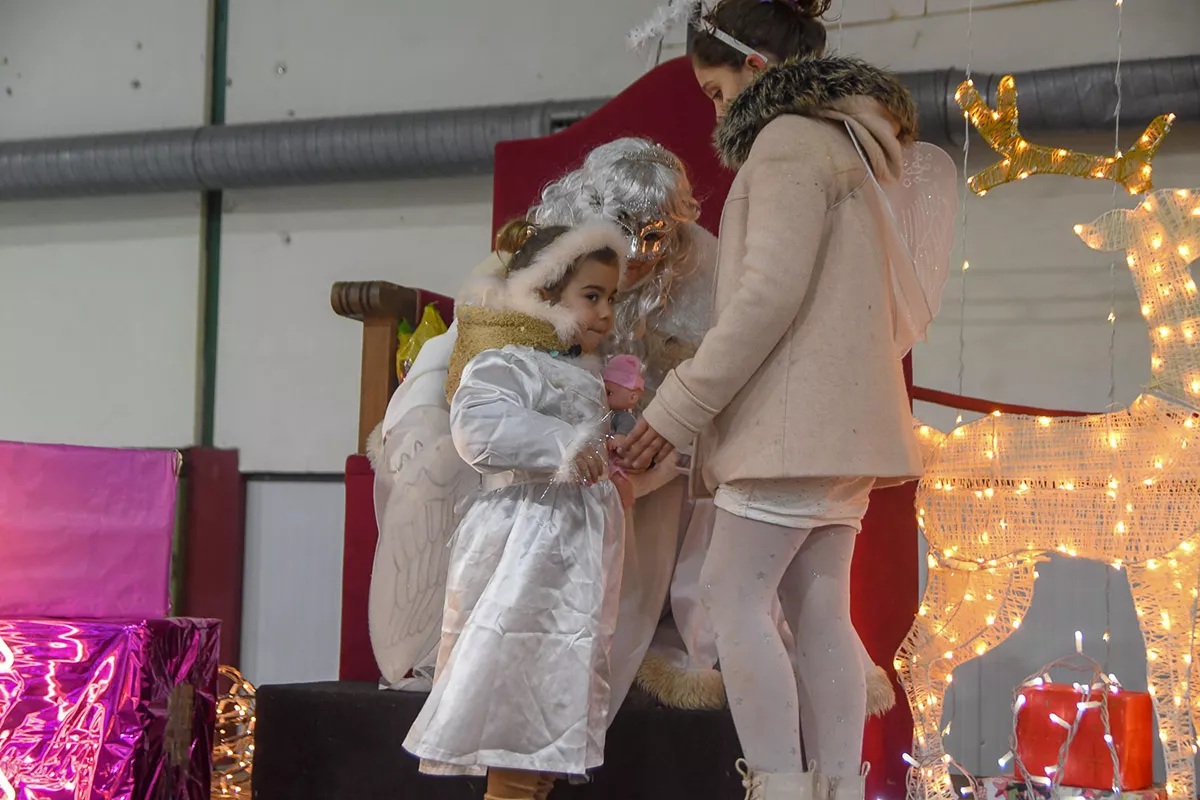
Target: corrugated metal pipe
460,142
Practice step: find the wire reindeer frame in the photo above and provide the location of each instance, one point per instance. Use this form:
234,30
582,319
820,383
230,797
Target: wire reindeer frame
1002,493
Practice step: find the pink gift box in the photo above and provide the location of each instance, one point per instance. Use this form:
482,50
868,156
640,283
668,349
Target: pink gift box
107,710
85,532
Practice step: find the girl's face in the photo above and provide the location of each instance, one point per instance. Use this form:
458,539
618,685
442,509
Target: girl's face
722,84
589,293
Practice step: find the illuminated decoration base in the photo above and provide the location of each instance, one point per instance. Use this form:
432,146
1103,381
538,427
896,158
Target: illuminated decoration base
999,128
1008,788
233,745
1002,493
112,710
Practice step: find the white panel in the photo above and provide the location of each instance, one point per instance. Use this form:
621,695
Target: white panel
313,58
292,606
1030,36
99,321
288,367
78,66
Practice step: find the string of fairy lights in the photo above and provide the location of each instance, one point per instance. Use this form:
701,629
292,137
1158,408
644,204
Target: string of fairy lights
233,744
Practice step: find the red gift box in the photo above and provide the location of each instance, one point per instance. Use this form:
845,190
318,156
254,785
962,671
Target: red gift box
1088,762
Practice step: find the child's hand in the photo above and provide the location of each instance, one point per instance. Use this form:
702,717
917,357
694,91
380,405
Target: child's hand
624,491
590,465
616,442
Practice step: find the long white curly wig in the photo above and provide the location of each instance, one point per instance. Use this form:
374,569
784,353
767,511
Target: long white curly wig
624,180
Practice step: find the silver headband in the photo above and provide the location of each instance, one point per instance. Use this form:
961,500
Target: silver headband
711,29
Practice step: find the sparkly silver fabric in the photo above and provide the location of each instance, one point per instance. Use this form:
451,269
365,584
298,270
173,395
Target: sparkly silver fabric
534,581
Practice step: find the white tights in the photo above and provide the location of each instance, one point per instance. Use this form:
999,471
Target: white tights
749,563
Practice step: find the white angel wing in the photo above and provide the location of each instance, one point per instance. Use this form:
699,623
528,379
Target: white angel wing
418,508
923,205
916,218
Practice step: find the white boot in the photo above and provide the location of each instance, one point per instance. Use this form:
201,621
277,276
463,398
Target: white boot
850,788
777,785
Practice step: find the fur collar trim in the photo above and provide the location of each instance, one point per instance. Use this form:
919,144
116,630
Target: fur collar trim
808,87
521,292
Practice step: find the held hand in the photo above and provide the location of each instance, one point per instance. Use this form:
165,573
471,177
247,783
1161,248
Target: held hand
644,446
590,465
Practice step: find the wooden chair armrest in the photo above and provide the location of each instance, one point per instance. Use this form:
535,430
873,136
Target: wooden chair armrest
379,306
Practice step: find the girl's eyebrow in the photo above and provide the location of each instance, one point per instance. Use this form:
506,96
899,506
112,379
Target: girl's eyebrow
594,286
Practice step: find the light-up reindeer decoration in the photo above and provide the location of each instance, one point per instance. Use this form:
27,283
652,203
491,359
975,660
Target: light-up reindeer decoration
1002,493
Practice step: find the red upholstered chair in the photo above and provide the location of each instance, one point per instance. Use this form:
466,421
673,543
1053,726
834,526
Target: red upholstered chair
666,106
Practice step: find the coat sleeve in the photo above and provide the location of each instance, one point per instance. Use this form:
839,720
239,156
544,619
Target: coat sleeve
495,424
788,199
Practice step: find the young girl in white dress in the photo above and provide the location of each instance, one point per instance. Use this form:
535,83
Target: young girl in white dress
522,686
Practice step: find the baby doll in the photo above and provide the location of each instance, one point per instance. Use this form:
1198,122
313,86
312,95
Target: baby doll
624,385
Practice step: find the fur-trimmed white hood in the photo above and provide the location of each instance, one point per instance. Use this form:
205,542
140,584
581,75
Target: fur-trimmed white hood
521,292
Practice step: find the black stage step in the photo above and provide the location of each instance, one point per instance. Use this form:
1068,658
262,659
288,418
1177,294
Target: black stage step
341,741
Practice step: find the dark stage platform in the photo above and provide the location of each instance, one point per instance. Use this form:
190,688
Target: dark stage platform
341,741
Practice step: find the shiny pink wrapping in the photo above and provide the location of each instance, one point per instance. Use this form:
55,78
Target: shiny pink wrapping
85,532
107,710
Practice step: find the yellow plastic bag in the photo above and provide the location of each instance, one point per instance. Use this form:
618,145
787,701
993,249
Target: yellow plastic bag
404,332
431,325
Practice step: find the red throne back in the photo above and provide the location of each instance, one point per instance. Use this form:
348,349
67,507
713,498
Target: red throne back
667,107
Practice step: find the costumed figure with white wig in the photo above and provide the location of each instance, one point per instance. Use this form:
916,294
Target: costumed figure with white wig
422,486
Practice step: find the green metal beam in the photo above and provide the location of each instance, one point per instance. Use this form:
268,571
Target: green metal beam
217,76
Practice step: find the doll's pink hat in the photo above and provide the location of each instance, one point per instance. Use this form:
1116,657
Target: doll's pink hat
625,371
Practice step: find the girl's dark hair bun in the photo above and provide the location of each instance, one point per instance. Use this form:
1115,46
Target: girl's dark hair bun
808,8
783,29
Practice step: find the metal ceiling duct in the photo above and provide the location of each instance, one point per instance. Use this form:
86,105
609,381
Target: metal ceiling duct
461,142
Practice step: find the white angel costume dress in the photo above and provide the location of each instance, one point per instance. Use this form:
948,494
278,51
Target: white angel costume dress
523,678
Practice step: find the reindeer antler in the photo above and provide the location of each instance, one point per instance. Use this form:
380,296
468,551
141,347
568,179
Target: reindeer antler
999,128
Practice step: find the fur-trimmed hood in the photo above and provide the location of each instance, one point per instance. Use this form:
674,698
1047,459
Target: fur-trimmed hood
521,292
809,87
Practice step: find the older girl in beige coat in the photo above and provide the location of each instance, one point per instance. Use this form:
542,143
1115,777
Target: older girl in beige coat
795,400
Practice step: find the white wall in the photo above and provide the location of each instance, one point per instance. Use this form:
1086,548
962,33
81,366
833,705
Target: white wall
288,367
99,299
